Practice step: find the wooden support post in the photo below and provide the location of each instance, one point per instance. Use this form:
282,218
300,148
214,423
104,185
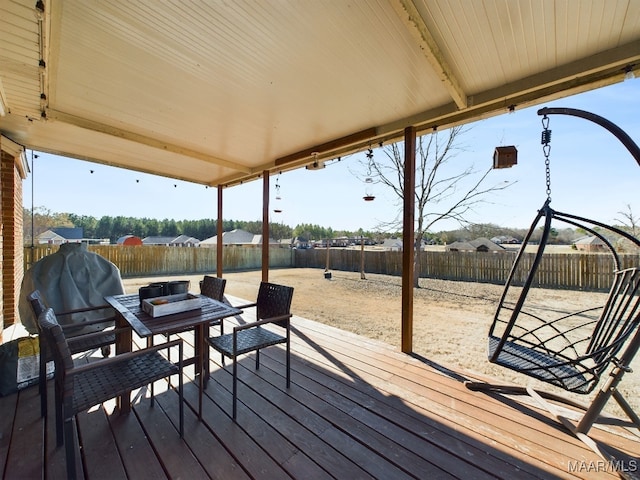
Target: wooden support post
326,268
265,226
362,275
408,234
220,231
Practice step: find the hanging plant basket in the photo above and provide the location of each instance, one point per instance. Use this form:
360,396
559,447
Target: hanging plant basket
368,198
277,210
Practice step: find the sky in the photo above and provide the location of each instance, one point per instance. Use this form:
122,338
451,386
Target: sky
592,174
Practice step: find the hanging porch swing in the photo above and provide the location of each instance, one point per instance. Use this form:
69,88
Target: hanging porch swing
570,350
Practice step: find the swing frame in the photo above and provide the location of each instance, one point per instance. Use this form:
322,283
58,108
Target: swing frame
573,367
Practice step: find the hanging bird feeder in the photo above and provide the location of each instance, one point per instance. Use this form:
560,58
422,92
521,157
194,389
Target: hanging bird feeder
368,196
278,198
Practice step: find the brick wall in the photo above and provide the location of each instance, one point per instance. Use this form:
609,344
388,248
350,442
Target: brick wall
12,172
2,161
12,251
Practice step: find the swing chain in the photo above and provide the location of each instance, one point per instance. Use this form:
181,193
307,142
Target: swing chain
546,149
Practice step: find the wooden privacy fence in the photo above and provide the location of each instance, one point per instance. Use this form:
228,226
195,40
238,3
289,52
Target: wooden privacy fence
585,271
140,261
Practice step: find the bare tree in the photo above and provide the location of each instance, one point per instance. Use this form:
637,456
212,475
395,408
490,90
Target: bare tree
39,220
629,220
441,192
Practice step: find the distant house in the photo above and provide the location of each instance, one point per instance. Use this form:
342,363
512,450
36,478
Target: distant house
60,235
359,240
235,237
590,244
185,241
296,242
395,244
179,241
208,243
166,241
392,244
479,245
340,242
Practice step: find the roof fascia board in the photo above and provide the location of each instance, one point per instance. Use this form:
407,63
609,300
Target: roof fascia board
18,153
100,161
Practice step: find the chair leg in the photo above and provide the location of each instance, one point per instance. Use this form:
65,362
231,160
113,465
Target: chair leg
288,363
59,416
258,359
181,394
42,381
70,449
222,333
235,386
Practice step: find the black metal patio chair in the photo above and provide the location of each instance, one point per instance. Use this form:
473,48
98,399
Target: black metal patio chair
213,287
78,342
273,307
79,387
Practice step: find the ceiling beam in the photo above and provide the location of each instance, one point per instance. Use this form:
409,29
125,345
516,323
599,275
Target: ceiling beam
307,153
414,23
349,143
142,139
582,75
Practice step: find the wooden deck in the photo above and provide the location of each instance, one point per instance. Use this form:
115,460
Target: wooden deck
356,408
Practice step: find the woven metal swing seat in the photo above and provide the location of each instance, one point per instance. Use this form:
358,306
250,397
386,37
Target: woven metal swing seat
570,350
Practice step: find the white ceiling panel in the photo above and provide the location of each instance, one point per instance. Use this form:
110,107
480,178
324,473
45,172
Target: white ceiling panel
217,92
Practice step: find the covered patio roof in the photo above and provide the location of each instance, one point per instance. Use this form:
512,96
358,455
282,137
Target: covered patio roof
219,92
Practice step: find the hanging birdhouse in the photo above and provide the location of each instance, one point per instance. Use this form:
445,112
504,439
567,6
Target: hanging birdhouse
505,157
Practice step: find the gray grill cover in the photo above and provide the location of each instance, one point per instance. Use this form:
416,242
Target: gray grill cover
71,278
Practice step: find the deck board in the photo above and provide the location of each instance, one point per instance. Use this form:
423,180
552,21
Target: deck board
356,408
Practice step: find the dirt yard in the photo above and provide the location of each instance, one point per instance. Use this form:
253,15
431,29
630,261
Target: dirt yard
451,319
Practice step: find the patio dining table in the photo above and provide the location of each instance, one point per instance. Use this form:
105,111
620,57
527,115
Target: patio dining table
129,313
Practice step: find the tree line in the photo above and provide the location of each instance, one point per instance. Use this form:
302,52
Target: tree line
119,226
42,219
